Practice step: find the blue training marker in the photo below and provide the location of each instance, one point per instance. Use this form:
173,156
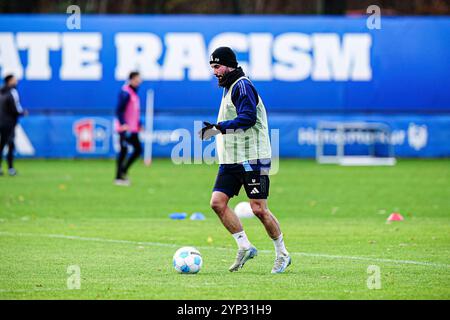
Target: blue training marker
178,215
197,216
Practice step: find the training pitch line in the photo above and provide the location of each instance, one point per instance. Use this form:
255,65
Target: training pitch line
159,244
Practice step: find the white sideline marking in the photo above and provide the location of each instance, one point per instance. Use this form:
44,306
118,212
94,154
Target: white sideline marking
32,290
159,244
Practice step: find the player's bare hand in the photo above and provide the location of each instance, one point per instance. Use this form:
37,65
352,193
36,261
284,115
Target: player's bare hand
124,127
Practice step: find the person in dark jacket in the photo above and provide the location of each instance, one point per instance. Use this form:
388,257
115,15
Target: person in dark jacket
10,111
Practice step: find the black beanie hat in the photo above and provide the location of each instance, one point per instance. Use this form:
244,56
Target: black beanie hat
224,56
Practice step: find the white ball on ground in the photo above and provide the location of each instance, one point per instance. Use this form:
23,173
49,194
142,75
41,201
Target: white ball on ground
244,210
187,260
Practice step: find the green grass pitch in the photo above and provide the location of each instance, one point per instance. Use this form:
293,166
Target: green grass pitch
61,213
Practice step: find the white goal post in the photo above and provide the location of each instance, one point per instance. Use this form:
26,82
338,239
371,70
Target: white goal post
342,133
148,133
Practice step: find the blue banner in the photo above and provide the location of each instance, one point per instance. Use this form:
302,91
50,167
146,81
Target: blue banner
298,63
292,136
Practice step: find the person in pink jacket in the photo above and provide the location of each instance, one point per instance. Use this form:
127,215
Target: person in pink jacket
128,125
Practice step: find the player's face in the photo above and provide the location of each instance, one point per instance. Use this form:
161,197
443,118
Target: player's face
219,70
13,82
136,81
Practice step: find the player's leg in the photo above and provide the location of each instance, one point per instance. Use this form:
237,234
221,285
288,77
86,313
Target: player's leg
137,151
3,141
219,203
10,155
257,189
121,156
270,222
262,212
5,133
227,185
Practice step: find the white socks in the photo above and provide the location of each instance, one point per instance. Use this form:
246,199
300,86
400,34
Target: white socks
243,243
242,240
280,249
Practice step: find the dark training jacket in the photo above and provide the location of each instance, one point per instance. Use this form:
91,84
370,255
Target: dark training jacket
10,108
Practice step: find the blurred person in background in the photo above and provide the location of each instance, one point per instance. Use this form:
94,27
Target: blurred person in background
128,126
10,111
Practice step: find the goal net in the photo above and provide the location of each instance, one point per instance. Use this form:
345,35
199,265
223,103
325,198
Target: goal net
354,143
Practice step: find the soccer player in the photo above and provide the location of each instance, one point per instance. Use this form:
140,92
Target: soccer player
128,126
10,111
244,152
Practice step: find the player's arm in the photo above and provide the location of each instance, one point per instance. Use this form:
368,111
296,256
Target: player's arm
245,99
124,97
17,110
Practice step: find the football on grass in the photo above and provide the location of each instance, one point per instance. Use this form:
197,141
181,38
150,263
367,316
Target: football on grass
187,260
244,210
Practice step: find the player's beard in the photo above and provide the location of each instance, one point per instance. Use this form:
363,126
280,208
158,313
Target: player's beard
229,78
